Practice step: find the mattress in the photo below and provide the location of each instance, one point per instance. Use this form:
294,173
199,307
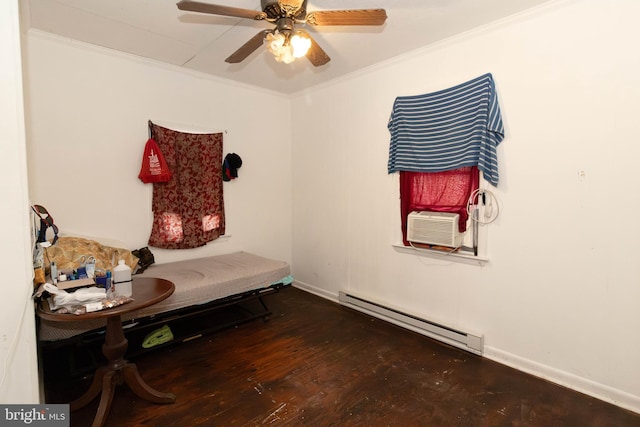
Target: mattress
197,281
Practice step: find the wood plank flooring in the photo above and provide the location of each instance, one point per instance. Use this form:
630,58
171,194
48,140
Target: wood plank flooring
317,363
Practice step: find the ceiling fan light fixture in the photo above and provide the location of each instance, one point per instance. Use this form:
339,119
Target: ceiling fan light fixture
300,45
287,48
275,41
278,46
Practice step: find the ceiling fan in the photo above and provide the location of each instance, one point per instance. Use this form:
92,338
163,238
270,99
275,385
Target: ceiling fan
285,41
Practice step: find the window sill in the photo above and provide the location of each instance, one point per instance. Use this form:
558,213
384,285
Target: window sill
465,258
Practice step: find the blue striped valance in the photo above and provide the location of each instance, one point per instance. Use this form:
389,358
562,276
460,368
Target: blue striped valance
449,129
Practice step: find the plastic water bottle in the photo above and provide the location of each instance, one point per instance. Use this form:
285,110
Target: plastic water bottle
122,279
108,286
54,273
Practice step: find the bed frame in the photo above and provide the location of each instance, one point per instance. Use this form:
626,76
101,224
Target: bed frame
81,353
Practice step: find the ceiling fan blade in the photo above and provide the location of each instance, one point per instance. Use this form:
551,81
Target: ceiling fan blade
247,48
316,55
196,6
347,17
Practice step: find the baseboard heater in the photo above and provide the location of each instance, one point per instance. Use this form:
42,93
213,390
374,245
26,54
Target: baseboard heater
464,340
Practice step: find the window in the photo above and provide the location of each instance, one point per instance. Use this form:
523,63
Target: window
440,141
455,192
447,191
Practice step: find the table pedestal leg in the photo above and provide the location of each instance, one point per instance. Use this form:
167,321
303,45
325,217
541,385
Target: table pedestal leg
142,389
94,390
115,373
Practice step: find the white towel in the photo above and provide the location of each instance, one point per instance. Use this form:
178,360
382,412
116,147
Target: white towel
82,296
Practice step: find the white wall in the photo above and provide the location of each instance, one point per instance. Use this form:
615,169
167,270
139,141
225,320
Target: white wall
559,296
88,114
18,358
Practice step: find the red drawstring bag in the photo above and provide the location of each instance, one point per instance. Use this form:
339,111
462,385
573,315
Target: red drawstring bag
154,166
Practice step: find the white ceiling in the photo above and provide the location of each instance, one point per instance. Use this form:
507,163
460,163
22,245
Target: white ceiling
156,29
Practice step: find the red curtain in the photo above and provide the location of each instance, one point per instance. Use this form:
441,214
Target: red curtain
446,191
188,210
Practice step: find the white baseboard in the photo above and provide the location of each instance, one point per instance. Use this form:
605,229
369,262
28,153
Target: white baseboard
566,379
316,291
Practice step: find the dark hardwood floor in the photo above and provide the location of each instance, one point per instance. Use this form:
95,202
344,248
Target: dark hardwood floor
319,364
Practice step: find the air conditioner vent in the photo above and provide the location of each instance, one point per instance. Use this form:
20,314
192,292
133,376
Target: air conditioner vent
434,228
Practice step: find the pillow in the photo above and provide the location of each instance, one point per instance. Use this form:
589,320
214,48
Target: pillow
67,253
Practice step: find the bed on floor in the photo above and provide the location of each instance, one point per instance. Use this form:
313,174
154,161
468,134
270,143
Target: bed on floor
237,280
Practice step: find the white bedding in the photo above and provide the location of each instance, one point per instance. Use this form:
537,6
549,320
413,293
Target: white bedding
197,281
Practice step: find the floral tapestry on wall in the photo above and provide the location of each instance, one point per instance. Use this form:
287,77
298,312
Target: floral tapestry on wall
188,210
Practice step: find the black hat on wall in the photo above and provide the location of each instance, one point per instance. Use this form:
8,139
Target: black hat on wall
232,162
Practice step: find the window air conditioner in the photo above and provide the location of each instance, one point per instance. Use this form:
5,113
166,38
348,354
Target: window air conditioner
434,228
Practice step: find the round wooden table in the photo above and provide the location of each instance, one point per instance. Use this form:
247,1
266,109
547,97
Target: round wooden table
146,291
